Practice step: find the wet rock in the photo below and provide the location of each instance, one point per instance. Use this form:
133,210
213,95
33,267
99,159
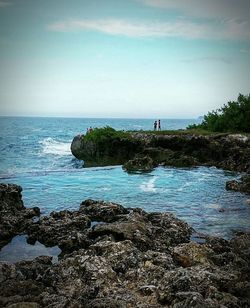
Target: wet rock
243,185
67,229
182,161
142,164
14,217
77,146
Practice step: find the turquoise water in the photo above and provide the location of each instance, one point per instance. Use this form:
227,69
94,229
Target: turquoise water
35,153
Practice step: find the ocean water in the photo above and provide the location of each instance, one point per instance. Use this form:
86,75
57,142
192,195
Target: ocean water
35,153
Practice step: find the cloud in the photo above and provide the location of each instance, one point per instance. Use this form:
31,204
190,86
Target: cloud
215,9
226,29
4,4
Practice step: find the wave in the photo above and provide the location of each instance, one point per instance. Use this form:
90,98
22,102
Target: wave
52,146
149,186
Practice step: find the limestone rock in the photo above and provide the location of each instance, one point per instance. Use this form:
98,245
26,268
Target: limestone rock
130,259
143,151
14,217
67,229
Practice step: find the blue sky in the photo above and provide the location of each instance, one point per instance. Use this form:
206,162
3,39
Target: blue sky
133,58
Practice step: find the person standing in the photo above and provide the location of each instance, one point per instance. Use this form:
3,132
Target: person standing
155,125
159,124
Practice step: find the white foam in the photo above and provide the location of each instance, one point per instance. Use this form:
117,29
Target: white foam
149,186
51,146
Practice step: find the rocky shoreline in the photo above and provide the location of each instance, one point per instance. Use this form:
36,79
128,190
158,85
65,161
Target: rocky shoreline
119,257
143,151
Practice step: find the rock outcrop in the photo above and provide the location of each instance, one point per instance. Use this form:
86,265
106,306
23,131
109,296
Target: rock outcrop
106,151
125,257
243,185
225,151
143,164
14,217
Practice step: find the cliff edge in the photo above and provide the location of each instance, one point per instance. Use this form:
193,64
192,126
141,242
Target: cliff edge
132,149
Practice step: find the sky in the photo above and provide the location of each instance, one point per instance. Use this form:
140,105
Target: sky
122,58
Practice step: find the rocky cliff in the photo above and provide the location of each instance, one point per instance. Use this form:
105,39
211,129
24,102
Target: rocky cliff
225,151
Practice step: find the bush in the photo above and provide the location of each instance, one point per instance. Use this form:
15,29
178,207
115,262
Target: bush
105,133
232,117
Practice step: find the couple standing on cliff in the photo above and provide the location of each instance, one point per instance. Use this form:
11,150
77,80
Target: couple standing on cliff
157,125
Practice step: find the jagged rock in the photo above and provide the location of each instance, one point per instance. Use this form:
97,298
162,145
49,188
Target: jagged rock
192,254
67,229
14,217
118,274
130,259
143,164
243,185
102,211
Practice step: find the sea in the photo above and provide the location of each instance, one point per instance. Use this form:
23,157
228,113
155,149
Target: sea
35,153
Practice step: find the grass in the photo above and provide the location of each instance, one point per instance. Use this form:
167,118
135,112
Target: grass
181,132
105,133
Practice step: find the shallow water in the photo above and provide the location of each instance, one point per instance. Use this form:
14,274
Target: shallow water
35,153
196,195
18,249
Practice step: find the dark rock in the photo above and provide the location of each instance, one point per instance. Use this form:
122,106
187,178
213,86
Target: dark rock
67,229
77,146
243,185
14,217
182,161
105,151
132,259
225,151
102,211
191,254
24,305
142,164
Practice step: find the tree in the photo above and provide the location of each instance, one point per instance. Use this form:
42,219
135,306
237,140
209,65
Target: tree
231,117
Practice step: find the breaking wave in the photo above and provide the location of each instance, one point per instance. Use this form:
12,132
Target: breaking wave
149,186
52,146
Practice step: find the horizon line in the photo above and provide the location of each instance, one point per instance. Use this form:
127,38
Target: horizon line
88,117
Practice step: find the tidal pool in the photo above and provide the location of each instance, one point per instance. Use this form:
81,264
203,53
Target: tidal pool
18,249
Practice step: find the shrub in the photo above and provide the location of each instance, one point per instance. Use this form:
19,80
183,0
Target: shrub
105,133
232,117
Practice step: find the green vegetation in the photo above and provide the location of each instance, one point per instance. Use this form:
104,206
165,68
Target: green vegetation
194,131
105,133
232,117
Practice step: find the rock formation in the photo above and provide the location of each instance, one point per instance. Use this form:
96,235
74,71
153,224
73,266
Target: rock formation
243,185
14,217
124,257
225,151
